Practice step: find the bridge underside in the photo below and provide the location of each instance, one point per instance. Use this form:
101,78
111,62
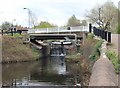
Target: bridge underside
53,36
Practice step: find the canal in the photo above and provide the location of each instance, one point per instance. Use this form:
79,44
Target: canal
48,71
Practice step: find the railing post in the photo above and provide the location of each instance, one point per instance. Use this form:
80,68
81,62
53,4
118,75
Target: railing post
90,27
105,35
109,36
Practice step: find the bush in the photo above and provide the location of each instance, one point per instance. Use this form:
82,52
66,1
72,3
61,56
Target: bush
90,36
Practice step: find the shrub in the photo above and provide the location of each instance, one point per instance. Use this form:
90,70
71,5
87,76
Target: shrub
90,36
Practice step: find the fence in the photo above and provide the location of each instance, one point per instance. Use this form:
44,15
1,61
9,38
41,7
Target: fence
104,34
59,29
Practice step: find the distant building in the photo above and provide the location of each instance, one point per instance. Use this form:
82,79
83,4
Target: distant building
21,29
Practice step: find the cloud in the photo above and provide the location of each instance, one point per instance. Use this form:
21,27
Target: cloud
56,11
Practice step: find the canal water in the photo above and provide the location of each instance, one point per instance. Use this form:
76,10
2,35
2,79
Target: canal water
49,71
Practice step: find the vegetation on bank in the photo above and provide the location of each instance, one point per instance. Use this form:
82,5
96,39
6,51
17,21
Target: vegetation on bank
114,59
86,56
13,50
89,51
96,51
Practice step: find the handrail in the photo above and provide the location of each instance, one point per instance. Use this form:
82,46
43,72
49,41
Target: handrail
59,29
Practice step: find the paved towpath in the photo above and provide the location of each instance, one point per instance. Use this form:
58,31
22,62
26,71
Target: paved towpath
115,40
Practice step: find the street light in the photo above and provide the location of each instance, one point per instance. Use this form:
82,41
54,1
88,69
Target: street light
99,16
13,22
28,16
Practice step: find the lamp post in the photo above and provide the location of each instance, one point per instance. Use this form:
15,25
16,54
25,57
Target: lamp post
99,16
13,22
28,16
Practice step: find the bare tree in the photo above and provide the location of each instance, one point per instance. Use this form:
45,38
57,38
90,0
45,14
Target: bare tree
33,19
105,16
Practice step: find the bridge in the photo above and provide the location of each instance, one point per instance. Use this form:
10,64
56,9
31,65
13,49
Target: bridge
57,36
58,33
103,72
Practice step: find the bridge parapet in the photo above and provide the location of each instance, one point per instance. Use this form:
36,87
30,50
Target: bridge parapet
59,29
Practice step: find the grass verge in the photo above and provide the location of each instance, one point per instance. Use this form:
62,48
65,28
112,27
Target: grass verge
114,59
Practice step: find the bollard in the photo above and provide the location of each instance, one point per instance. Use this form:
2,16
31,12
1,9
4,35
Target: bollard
109,37
90,27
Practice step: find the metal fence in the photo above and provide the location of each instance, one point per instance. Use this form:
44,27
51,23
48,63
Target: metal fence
104,34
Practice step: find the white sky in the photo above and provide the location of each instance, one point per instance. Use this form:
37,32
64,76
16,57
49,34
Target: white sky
54,11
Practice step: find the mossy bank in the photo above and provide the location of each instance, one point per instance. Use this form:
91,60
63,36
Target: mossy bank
13,50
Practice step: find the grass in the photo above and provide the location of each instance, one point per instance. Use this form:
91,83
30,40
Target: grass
114,58
73,57
13,50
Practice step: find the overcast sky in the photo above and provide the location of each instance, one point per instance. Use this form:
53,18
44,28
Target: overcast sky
54,11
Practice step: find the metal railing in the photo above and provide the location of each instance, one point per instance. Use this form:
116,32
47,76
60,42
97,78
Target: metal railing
59,29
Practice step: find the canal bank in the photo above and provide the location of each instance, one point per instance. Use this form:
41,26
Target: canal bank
65,71
13,50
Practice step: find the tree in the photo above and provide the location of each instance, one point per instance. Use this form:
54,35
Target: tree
33,19
73,21
105,16
83,23
6,25
45,24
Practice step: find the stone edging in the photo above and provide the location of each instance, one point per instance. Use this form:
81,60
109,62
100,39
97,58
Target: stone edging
103,72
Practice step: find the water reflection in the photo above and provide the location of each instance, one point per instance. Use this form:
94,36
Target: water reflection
49,71
58,64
